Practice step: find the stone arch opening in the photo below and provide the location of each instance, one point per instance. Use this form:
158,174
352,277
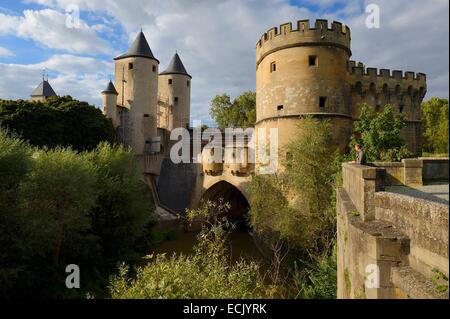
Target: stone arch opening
231,194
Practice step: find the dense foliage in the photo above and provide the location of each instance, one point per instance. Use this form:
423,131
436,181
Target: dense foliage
297,209
302,195
206,274
60,121
59,207
379,133
435,126
241,112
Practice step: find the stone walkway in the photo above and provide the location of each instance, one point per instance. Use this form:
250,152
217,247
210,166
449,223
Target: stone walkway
436,192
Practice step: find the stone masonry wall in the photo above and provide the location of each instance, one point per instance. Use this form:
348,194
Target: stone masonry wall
388,245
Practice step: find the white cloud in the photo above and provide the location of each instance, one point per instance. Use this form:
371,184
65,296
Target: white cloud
49,28
82,77
4,52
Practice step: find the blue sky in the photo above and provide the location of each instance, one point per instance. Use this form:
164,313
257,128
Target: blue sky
215,39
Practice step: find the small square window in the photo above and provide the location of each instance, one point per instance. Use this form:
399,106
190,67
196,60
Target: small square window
400,109
188,83
170,81
280,107
154,68
146,115
322,102
176,100
273,67
130,66
312,60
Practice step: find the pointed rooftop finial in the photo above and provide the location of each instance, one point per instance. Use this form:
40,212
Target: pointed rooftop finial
139,48
110,89
43,75
175,66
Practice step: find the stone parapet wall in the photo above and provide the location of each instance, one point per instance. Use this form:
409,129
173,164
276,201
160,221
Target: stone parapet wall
397,241
435,168
424,222
360,183
366,250
408,172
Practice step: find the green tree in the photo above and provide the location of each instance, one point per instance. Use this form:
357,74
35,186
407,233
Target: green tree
297,204
57,198
435,125
297,208
379,133
122,217
59,207
241,112
15,162
60,121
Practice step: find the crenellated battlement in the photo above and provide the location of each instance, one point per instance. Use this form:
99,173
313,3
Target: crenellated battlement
383,80
359,69
304,34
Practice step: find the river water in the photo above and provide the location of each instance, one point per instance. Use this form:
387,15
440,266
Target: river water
240,241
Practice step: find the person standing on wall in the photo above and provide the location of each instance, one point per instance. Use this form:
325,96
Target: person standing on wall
360,155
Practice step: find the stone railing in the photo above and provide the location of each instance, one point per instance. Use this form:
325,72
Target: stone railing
435,168
361,183
414,171
401,240
424,222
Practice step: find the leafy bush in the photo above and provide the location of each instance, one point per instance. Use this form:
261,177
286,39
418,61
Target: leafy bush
206,274
380,135
316,278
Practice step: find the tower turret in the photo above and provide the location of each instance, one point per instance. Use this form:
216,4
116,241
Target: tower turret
303,71
175,95
137,85
109,103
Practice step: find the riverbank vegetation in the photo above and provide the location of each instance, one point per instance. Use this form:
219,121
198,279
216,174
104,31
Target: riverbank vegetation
293,212
60,207
207,273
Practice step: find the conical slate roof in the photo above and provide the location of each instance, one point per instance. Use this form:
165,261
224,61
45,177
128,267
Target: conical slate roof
176,66
139,48
110,89
44,89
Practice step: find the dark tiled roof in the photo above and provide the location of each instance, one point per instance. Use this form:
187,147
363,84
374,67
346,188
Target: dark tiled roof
43,89
110,89
176,66
139,48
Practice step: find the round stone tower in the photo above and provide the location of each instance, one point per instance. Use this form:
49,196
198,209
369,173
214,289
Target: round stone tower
136,80
175,93
109,104
300,72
